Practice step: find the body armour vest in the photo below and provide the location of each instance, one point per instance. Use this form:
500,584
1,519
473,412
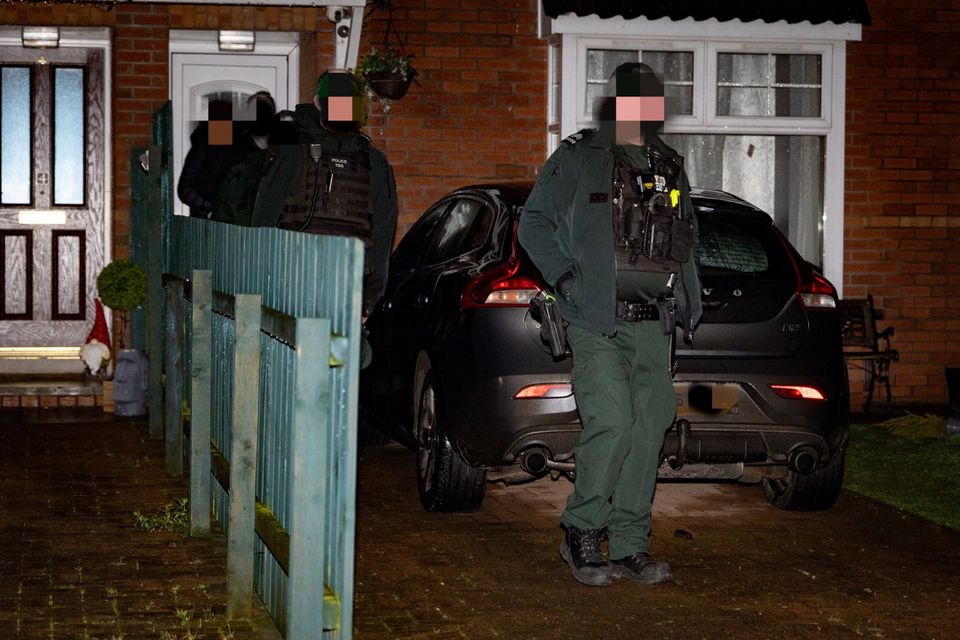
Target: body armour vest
651,230
331,193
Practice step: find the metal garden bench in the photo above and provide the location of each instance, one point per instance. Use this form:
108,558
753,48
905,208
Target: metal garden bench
866,348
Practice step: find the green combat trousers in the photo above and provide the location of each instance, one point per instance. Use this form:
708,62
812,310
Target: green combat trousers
626,402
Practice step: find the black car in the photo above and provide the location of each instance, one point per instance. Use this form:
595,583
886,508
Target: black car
460,371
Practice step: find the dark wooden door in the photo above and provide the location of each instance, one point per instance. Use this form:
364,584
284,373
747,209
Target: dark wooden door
52,191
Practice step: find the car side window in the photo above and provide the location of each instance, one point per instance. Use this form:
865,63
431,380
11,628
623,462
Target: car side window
410,249
464,229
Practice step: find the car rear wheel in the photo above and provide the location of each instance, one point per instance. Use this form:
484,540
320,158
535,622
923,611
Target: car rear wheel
812,491
445,481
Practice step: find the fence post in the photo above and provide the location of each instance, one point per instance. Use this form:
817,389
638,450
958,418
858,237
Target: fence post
309,476
173,386
243,458
155,262
201,372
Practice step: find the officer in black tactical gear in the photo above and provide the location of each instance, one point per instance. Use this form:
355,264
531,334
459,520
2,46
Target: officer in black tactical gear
347,186
611,227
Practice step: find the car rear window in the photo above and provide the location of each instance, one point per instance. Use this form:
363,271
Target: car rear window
734,243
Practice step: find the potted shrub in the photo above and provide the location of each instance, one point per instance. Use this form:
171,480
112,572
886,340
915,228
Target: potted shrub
388,73
123,287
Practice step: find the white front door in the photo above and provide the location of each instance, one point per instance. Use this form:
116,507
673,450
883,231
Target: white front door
54,179
199,73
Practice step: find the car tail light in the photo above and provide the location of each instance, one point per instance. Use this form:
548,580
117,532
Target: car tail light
814,291
510,284
552,390
797,392
502,286
817,293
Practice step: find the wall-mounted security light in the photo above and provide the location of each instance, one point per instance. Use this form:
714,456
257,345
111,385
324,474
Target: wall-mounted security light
42,37
237,40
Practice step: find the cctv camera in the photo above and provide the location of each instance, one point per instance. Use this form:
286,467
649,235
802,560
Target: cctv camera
336,14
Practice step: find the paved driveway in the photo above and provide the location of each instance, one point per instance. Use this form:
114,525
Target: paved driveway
749,570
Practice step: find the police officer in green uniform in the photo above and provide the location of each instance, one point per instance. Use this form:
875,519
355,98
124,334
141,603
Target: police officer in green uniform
611,227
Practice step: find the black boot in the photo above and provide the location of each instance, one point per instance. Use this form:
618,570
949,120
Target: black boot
640,567
581,550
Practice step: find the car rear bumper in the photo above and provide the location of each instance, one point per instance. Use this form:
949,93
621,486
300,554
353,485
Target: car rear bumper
731,419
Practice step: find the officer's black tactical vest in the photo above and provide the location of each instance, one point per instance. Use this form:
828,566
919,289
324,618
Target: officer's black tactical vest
331,194
651,230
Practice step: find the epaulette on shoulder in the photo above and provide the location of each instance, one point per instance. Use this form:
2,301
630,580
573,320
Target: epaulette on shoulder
574,138
366,138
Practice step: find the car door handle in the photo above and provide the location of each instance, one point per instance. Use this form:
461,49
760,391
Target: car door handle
713,305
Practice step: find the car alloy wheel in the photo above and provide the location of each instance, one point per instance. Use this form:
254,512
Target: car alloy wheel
446,483
426,435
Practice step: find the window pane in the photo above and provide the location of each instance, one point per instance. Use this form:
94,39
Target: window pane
68,130
773,85
675,68
600,66
782,175
15,153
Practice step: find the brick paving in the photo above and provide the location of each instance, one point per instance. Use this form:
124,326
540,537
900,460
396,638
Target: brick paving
746,571
73,565
72,562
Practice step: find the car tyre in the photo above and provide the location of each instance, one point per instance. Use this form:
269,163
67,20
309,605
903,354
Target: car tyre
814,491
446,483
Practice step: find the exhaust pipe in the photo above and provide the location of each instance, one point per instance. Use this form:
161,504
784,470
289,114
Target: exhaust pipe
803,459
534,460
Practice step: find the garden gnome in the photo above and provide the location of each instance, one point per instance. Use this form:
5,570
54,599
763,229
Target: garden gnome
96,352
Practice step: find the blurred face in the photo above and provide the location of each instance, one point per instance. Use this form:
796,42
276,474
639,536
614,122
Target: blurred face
639,109
639,106
340,108
339,102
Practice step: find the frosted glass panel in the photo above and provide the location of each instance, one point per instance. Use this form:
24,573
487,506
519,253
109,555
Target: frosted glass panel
68,161
771,85
15,136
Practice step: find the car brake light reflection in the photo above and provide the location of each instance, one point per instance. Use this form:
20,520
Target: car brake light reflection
559,390
797,392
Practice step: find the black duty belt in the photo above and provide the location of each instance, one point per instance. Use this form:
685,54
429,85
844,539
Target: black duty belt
636,311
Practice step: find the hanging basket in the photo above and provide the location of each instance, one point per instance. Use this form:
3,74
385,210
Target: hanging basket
391,86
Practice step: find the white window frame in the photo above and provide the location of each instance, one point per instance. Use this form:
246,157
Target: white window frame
573,35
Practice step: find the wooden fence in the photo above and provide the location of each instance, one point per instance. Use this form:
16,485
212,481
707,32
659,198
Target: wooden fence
259,331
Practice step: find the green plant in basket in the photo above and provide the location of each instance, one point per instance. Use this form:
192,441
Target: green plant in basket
387,72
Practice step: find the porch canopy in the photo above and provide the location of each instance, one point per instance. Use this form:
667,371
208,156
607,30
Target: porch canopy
813,11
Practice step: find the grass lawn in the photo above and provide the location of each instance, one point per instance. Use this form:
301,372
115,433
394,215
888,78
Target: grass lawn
907,463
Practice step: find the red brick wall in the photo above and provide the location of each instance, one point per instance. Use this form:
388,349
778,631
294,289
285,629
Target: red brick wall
479,110
903,186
